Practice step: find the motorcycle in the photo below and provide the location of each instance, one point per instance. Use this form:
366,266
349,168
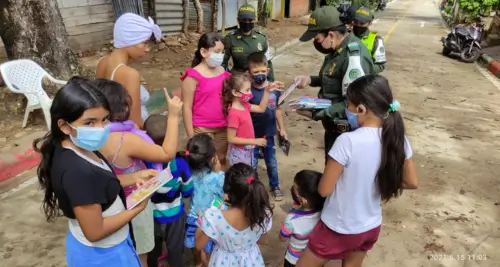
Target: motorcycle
381,5
463,41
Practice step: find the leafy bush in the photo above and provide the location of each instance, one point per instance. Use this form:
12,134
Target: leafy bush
475,8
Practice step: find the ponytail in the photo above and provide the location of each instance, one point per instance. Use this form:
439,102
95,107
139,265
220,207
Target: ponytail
46,147
257,207
245,191
374,92
196,59
390,173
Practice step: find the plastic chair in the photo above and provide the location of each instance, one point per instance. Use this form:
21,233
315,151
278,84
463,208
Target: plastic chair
24,76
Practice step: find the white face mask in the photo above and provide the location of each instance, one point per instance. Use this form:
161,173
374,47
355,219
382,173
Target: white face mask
215,59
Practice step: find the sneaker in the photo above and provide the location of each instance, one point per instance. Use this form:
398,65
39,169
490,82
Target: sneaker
277,194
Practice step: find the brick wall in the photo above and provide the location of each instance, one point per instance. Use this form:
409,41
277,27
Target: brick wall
299,8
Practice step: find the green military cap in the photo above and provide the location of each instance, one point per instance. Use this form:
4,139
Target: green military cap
246,11
363,15
323,18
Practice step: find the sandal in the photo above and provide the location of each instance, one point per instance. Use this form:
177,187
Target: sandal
162,260
277,194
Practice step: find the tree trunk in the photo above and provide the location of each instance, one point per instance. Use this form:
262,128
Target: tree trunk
215,12
223,26
35,30
185,17
262,12
199,13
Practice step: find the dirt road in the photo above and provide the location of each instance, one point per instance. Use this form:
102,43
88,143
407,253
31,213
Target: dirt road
451,114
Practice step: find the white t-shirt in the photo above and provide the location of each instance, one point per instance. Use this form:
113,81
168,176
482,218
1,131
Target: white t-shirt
355,205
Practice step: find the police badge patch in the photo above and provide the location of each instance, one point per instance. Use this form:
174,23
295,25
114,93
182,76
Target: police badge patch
354,74
259,46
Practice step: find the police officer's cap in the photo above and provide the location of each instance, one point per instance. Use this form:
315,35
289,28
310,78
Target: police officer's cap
246,11
323,18
363,15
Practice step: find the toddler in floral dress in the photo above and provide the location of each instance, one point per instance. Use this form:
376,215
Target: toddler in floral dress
237,230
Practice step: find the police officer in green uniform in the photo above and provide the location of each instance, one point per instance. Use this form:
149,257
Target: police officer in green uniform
374,42
240,43
331,38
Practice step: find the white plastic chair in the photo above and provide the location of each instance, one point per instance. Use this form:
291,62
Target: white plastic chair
24,76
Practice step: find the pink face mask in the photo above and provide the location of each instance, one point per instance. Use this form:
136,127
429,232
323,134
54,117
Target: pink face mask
245,98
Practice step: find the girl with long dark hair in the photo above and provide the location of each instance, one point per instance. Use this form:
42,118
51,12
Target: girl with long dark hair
237,230
79,182
201,89
366,167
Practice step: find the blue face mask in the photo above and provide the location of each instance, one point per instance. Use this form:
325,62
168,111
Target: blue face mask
90,138
352,118
260,78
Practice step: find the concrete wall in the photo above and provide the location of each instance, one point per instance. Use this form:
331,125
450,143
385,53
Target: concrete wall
89,23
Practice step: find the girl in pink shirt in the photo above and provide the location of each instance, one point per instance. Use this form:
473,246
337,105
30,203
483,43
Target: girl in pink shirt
201,93
240,134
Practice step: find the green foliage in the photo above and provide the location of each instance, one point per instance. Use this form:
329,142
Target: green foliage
474,8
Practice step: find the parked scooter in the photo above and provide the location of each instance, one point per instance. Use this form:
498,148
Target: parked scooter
345,14
463,41
382,4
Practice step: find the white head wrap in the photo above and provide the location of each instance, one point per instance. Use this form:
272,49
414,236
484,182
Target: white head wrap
131,29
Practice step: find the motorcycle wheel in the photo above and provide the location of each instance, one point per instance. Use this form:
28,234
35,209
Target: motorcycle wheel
446,51
472,56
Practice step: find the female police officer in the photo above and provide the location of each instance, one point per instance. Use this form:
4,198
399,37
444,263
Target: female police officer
331,38
239,44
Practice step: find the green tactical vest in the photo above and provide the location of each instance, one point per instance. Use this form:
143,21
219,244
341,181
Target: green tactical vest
369,41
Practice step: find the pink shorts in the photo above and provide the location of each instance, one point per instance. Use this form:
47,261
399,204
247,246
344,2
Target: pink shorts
328,244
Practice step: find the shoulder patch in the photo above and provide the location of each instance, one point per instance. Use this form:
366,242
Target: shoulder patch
353,47
231,33
260,32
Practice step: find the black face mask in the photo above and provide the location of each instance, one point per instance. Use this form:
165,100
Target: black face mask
246,26
359,31
321,49
295,198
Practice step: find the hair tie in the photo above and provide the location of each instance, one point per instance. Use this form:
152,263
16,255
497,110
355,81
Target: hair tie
394,106
250,180
187,153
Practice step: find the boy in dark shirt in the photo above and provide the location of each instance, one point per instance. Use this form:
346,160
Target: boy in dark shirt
266,124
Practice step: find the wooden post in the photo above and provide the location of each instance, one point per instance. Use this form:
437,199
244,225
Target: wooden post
215,12
262,12
199,13
185,17
223,28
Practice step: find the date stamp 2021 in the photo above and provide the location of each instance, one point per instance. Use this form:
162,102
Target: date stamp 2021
457,257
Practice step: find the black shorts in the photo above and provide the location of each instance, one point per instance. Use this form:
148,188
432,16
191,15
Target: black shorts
288,264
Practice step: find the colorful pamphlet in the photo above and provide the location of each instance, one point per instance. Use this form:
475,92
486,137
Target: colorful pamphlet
284,144
148,188
305,102
288,91
218,203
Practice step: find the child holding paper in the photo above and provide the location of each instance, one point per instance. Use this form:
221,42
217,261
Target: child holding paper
266,124
168,212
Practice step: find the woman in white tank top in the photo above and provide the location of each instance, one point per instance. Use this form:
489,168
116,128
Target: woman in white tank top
131,34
